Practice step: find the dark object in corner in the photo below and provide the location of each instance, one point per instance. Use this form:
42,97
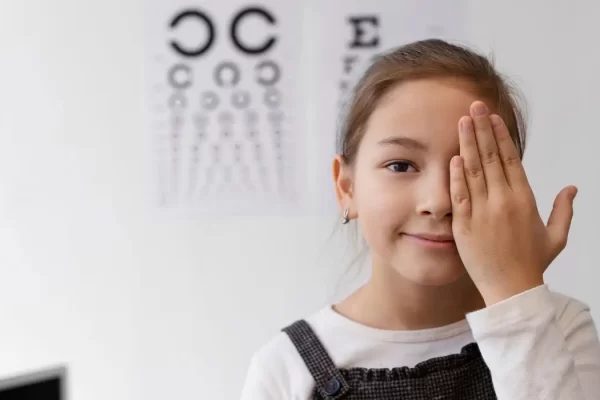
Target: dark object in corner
48,384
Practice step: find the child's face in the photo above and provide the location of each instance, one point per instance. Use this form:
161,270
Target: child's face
400,179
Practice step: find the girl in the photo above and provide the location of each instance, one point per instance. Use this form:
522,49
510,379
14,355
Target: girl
430,165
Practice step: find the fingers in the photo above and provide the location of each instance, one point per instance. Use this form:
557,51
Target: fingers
493,170
511,160
459,192
473,171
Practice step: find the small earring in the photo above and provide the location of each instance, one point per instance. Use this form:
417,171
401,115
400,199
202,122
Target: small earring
345,218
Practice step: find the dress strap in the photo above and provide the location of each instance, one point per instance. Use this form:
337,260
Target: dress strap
329,381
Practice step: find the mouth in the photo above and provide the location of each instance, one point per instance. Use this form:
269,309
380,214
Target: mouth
442,237
435,241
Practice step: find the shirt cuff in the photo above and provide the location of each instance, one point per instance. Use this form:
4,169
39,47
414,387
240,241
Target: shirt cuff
531,305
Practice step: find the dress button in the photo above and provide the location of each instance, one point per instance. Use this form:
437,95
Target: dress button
332,386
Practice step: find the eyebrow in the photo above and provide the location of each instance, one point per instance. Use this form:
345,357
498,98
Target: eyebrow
412,144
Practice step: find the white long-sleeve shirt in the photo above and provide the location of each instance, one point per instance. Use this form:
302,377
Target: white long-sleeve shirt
538,345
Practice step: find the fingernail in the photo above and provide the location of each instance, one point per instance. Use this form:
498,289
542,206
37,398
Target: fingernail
575,191
496,121
465,124
479,108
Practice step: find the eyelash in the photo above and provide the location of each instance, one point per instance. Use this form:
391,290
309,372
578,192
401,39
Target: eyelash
403,163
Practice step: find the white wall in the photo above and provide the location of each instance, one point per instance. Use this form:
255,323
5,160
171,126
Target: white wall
143,305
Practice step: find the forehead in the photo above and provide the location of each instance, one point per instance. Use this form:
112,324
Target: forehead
427,110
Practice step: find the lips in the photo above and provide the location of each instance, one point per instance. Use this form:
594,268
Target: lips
432,237
432,241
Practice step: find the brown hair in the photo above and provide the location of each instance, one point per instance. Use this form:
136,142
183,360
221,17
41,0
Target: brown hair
432,58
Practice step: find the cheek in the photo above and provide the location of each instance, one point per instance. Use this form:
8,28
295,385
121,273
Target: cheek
382,200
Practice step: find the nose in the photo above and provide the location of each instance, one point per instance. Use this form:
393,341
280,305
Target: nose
434,195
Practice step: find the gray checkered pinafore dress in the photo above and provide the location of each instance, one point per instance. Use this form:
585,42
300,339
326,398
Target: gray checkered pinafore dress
463,376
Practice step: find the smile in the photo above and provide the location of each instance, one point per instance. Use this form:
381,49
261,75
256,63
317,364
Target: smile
432,241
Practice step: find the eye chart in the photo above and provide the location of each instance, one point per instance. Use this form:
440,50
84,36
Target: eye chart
246,99
224,84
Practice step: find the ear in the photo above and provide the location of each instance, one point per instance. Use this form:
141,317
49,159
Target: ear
343,177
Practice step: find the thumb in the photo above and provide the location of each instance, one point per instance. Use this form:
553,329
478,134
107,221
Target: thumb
560,218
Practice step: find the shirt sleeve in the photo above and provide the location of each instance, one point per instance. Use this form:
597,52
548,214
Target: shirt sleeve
256,385
535,351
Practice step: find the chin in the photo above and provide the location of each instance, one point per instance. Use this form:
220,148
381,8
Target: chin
432,279
440,273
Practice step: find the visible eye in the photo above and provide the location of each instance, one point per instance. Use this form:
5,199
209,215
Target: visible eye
401,166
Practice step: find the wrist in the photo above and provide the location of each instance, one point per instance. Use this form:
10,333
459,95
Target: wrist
498,293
